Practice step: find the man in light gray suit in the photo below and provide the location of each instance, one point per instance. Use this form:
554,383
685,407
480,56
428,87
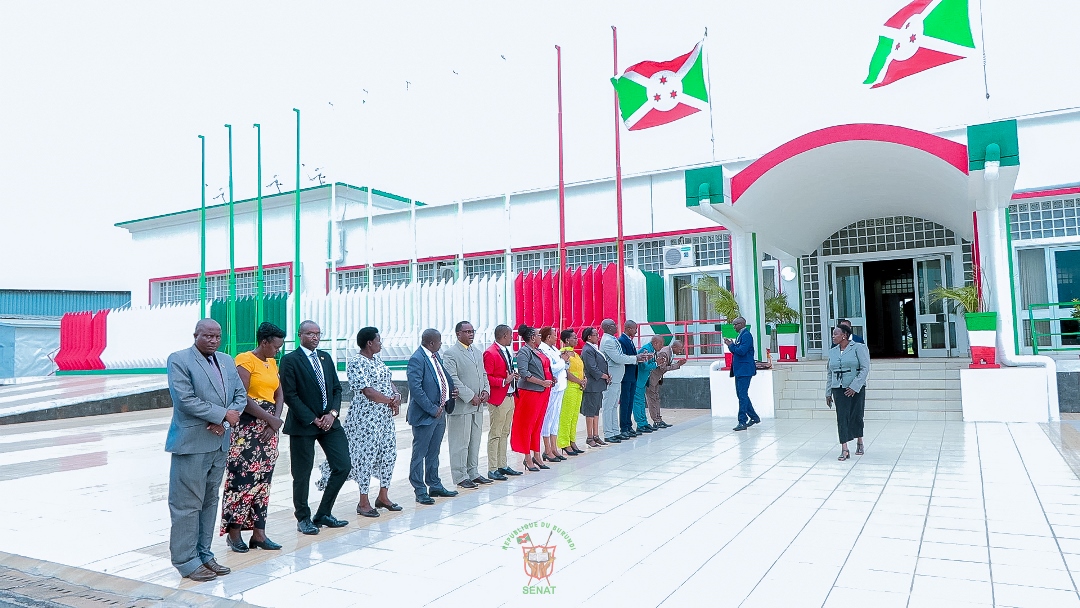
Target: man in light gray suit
617,361
207,397
465,364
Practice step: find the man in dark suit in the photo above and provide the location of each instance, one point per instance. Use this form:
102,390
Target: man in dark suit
310,384
854,337
431,392
744,368
207,397
629,384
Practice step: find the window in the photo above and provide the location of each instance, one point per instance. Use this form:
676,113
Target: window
352,279
590,255
425,273
178,291
888,234
1044,219
536,260
479,267
811,301
391,275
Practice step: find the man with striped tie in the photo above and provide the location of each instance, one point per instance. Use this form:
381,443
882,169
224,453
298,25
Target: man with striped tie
431,397
310,384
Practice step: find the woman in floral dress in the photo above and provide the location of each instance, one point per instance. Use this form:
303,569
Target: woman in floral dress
369,424
254,448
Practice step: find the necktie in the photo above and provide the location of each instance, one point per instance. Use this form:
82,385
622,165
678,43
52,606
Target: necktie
319,374
444,387
509,368
213,363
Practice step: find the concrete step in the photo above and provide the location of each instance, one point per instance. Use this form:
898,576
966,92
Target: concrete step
872,415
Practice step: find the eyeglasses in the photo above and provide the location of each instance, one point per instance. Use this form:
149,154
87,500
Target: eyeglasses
313,334
468,331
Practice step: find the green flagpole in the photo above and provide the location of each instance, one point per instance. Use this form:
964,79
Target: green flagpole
202,235
296,232
231,323
259,279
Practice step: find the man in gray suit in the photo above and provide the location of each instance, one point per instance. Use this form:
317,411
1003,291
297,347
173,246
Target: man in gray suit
465,364
207,397
617,361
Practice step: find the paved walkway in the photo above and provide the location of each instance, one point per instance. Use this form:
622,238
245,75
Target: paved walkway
935,514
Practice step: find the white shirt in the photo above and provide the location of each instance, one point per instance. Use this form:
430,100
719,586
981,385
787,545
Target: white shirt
558,366
509,356
308,353
440,375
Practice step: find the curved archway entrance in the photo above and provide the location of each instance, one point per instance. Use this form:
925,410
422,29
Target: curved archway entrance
879,273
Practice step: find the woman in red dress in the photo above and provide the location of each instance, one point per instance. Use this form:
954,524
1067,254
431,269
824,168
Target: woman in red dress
532,399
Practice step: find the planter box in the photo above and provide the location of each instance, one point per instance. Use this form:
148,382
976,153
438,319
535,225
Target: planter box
787,341
982,338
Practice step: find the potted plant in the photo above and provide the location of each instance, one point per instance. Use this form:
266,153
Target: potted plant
722,301
981,325
785,323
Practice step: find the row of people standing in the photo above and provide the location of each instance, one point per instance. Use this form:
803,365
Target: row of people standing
227,414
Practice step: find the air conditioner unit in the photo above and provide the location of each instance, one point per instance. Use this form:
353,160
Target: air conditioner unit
679,256
446,273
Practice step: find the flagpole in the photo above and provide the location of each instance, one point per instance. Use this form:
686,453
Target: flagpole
296,233
562,195
708,83
619,270
231,322
259,277
202,235
982,35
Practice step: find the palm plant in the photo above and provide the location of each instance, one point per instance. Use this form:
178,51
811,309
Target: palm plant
719,298
777,309
965,298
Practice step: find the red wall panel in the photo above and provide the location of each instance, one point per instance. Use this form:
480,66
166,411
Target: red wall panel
587,297
547,293
611,293
519,299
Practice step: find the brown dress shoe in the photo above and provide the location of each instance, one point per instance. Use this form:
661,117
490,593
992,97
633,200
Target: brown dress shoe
202,574
217,568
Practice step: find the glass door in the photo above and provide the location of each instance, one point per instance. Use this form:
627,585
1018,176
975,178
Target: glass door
692,307
931,317
847,298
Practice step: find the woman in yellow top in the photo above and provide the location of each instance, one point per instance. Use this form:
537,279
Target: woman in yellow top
571,405
254,448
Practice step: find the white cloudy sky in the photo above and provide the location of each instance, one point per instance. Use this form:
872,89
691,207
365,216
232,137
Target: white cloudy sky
102,102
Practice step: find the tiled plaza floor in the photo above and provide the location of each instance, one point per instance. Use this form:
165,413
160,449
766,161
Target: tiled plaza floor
935,514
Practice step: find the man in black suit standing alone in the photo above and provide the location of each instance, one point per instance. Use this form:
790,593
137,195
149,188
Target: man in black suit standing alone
312,391
431,397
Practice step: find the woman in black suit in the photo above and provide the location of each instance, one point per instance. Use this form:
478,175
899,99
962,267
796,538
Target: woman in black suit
532,399
596,371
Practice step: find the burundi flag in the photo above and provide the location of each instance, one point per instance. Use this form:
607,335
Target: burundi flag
524,538
922,35
654,93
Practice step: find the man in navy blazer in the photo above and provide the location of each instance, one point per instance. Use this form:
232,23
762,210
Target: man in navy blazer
744,368
431,394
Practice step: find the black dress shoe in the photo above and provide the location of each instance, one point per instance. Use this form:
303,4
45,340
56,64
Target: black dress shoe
236,545
369,513
741,427
267,544
613,440
424,499
442,492
202,574
393,506
661,425
540,464
468,484
753,422
305,526
217,568
329,521
644,429
496,475
482,480
509,471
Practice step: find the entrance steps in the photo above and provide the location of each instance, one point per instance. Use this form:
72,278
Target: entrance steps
897,389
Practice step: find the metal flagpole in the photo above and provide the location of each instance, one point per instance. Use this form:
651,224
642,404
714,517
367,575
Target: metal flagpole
708,83
296,233
260,285
620,279
562,197
982,35
231,322
202,235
